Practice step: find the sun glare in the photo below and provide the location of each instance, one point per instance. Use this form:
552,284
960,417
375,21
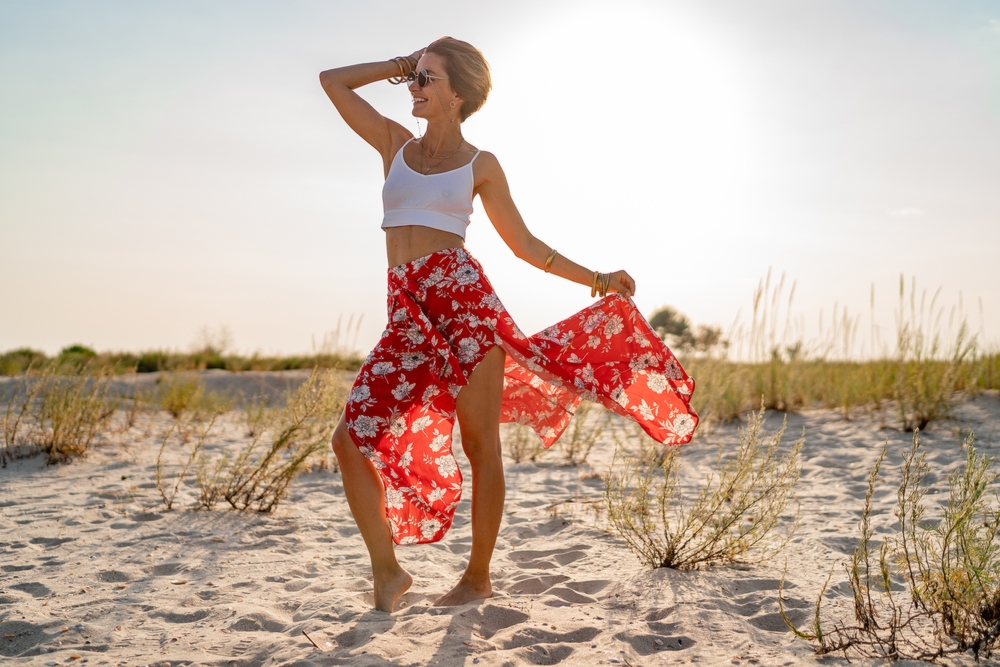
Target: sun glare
645,113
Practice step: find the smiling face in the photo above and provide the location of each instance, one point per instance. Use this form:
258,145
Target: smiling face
435,99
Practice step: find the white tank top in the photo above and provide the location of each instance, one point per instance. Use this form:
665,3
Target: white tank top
439,201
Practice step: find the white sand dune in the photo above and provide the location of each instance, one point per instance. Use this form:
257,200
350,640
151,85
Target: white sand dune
92,566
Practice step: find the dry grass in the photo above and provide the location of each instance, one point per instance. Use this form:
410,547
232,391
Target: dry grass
61,416
198,426
284,442
589,423
182,394
737,509
64,415
521,443
949,568
933,362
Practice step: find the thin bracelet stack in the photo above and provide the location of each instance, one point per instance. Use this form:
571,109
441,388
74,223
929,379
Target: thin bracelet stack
411,64
600,284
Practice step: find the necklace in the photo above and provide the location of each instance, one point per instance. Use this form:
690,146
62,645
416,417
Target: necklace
424,151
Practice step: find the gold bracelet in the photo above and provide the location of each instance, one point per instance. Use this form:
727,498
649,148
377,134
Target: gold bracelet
402,75
593,286
548,262
607,283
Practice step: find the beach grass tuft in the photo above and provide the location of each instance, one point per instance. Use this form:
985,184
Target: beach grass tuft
589,423
56,414
930,588
283,444
521,443
933,361
737,510
181,394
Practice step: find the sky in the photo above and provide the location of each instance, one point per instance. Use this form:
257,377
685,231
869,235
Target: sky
171,167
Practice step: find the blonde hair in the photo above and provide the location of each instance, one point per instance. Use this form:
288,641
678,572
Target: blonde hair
467,70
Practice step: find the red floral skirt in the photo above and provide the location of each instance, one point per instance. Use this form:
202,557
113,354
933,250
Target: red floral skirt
443,318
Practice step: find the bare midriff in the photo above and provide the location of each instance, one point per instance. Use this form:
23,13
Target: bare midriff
405,244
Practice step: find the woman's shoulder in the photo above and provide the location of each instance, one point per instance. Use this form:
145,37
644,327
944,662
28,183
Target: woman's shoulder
487,171
486,161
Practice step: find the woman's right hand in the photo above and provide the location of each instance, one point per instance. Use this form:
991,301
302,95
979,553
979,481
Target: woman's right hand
416,55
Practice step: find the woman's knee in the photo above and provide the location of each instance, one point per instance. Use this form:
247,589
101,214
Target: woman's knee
482,450
342,443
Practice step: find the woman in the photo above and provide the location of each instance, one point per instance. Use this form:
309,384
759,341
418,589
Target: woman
450,348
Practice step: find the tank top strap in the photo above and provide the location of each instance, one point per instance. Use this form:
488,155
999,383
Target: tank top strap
473,157
399,153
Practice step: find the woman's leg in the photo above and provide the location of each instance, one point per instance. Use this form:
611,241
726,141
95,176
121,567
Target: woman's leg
366,497
478,408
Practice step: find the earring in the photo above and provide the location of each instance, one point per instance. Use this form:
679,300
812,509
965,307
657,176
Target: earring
453,104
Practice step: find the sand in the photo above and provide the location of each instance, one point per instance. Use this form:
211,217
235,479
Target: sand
91,565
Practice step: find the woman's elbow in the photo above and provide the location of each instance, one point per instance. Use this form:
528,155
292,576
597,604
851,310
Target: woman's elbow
328,78
522,250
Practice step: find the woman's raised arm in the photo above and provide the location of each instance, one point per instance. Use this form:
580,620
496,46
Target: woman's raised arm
383,134
494,193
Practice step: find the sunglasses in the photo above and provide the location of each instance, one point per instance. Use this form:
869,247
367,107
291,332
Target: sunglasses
423,78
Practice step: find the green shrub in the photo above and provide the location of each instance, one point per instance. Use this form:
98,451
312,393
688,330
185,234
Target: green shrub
20,360
152,361
77,350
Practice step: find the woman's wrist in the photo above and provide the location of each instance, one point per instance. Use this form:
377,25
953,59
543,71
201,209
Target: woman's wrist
405,66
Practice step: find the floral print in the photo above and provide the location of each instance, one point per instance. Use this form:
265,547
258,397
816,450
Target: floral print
444,317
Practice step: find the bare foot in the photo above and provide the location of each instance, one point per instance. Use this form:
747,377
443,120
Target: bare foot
465,592
388,589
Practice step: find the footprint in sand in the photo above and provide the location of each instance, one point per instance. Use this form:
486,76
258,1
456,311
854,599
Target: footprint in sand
20,636
649,644
591,587
542,560
536,585
52,542
563,597
257,622
236,649
33,588
113,577
182,617
774,623
654,621
166,569
533,636
495,618
17,568
545,655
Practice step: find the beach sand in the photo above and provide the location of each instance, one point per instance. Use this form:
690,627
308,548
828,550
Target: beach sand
91,565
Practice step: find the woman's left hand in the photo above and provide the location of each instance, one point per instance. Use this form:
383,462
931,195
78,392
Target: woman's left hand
622,283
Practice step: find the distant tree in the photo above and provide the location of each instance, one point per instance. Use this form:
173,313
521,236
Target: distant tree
672,327
707,337
675,330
